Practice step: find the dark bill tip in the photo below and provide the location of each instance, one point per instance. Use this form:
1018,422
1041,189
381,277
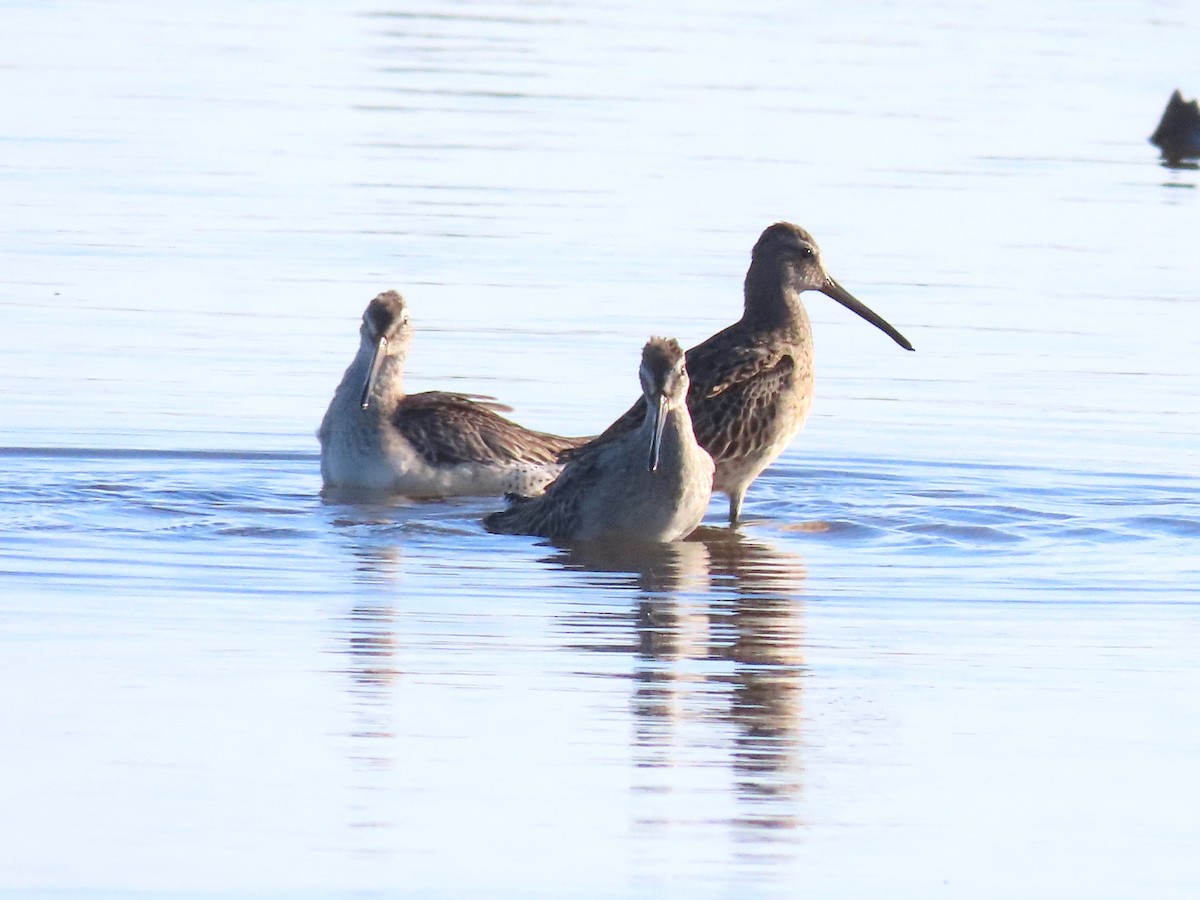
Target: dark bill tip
841,295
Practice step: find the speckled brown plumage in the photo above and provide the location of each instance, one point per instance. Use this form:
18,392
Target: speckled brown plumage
650,484
752,383
447,428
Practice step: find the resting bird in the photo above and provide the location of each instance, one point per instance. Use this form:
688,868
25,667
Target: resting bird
377,439
752,383
650,484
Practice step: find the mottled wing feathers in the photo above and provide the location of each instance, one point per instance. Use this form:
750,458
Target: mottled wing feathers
732,384
556,513
482,399
447,428
732,397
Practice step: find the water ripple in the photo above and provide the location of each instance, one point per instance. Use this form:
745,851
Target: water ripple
977,508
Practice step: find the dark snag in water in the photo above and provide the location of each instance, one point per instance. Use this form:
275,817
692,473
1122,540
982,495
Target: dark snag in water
1178,132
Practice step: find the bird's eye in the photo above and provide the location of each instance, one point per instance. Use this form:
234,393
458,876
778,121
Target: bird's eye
806,252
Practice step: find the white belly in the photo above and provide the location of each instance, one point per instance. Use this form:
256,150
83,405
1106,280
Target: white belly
385,463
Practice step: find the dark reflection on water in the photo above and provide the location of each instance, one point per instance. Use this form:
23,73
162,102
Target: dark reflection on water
368,639
369,630
694,653
715,632
372,649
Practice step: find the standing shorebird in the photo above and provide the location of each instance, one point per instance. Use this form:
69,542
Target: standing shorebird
752,383
376,438
651,484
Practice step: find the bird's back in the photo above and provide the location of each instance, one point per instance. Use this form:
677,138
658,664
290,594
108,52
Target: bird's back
558,513
607,491
446,428
749,394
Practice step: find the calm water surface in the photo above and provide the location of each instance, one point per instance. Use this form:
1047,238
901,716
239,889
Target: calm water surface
953,652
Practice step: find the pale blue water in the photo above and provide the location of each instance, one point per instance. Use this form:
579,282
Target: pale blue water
953,651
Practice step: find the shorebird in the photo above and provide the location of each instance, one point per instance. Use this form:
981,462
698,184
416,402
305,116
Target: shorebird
375,438
752,383
651,484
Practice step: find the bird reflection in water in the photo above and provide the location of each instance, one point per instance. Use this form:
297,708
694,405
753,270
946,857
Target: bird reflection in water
370,647
765,635
716,634
369,630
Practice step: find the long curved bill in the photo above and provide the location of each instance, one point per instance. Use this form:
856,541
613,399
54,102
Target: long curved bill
660,423
373,372
848,300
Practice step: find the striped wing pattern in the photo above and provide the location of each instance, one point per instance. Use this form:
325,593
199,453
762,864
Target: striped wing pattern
448,428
